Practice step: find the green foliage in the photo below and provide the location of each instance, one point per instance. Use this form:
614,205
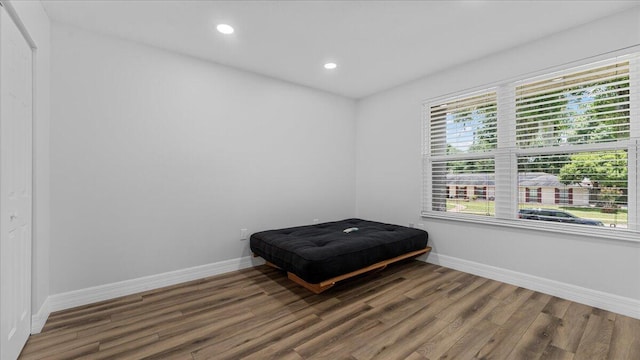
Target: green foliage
548,164
480,120
541,118
610,195
607,117
484,166
485,136
608,169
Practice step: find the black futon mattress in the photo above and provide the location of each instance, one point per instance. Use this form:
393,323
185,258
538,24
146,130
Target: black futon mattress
319,252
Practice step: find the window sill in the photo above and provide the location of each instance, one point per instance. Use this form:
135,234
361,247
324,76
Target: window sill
537,225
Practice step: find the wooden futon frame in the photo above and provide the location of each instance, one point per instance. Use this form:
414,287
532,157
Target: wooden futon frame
326,284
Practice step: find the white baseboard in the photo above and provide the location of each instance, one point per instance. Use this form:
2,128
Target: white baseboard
615,303
38,319
618,304
93,294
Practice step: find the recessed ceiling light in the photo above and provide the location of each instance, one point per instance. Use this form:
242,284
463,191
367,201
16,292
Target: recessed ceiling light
330,66
225,29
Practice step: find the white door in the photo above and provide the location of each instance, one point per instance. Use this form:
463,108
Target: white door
15,188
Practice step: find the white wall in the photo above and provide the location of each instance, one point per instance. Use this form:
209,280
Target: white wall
158,159
37,24
389,169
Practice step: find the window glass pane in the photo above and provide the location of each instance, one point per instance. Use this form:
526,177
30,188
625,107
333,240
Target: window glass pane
590,106
466,125
464,186
588,188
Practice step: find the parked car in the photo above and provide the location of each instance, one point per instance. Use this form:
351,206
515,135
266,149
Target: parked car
555,215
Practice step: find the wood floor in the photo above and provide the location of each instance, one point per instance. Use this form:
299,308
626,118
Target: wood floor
411,310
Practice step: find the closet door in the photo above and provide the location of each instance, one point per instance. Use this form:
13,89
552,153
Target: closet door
15,187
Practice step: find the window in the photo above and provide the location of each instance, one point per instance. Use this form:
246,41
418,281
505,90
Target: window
532,195
564,144
480,192
585,113
462,140
563,196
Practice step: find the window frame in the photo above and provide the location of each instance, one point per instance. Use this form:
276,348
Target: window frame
506,153
473,155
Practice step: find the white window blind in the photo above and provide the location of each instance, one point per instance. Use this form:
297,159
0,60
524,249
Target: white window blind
464,125
586,113
590,185
583,107
462,137
560,149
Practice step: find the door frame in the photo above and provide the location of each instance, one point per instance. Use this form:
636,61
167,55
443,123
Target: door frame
13,15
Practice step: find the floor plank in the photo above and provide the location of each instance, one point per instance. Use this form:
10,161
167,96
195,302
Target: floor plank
572,327
596,339
554,353
536,339
625,342
411,310
500,345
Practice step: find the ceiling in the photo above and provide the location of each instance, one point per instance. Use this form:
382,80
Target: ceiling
376,44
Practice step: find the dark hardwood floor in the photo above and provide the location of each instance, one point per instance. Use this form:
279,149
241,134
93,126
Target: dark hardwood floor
411,310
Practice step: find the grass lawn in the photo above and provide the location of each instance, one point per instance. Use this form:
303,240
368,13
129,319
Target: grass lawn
480,207
485,207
